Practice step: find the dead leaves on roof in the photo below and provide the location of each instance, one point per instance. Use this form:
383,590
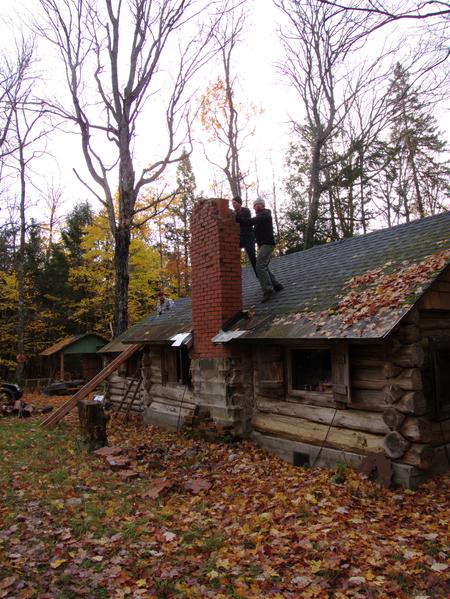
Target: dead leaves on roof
389,286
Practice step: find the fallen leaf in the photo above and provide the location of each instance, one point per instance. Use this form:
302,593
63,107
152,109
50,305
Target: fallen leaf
159,487
196,485
57,563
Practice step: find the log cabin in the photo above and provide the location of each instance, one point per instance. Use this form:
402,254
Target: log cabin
349,363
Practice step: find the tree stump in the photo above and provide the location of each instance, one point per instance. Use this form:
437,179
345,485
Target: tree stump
92,424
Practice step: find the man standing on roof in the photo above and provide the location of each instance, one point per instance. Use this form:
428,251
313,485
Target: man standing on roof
246,235
164,303
263,228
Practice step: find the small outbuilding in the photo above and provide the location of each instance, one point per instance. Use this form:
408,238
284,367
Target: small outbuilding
349,363
75,357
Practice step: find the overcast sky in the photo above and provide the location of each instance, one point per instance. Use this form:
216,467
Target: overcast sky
260,83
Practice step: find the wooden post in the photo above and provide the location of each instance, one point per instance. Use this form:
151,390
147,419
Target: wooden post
61,366
92,424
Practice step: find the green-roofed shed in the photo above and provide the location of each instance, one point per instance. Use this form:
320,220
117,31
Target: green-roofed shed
75,357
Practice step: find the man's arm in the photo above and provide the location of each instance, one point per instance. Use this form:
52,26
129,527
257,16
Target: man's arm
251,220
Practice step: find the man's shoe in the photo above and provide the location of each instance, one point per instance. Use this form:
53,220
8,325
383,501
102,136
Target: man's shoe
267,296
278,287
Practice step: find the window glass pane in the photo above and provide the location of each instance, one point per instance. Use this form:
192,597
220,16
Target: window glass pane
442,381
311,369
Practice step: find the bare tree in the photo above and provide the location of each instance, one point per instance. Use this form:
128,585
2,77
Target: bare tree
226,121
430,16
27,131
120,57
53,198
317,42
397,10
14,68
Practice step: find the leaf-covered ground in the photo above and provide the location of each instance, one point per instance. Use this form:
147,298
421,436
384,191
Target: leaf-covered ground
228,520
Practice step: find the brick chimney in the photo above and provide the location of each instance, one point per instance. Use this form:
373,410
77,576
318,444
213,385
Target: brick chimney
216,274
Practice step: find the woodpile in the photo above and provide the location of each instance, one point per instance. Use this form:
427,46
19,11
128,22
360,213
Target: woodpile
21,408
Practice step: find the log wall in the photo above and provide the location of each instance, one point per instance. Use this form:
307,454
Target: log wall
117,387
165,404
390,409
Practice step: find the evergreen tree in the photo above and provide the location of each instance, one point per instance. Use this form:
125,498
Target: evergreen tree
422,176
72,234
177,231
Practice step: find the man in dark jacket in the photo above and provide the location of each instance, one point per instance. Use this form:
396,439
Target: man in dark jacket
246,237
263,228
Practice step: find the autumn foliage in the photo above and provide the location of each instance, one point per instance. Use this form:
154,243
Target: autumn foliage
206,519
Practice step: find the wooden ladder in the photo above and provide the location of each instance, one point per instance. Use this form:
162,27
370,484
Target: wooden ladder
68,405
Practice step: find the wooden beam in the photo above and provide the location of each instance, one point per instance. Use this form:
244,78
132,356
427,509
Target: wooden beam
68,405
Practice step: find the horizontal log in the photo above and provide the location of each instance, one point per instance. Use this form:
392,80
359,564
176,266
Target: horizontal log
412,402
392,394
367,355
175,391
409,356
369,399
416,429
299,429
162,408
395,445
393,419
435,300
354,419
409,380
430,321
408,333
443,286
412,317
170,402
440,432
390,370
419,455
320,399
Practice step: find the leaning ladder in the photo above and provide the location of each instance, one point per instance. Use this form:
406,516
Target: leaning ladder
68,405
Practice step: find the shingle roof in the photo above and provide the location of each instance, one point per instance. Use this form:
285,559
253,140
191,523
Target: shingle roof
316,280
69,341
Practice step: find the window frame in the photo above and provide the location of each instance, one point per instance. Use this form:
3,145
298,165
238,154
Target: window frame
175,366
303,394
440,411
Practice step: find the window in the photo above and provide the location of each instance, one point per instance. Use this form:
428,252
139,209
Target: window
311,370
441,376
313,373
320,373
175,364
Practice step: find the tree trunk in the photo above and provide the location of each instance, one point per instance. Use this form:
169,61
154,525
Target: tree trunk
121,257
92,424
21,317
314,197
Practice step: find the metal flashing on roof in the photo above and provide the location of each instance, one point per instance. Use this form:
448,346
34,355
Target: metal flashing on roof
181,339
225,336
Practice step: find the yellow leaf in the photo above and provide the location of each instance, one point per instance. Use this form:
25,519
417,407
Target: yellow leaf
223,563
315,565
141,582
369,575
56,563
311,499
97,558
213,574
